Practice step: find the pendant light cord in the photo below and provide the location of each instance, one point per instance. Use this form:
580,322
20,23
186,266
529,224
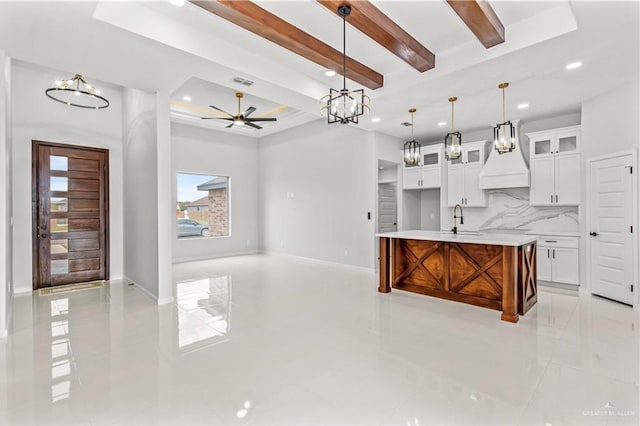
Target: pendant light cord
344,52
504,114
452,126
412,138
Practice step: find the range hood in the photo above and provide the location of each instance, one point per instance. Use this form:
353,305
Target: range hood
506,170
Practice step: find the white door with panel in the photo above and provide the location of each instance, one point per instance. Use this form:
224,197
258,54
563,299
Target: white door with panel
610,227
387,208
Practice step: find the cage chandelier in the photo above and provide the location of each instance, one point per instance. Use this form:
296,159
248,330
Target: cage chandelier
504,134
412,147
344,106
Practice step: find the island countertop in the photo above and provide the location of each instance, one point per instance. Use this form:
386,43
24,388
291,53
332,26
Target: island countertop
514,240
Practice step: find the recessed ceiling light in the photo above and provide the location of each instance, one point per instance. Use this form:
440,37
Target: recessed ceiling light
375,120
442,123
574,65
186,98
177,3
330,73
523,106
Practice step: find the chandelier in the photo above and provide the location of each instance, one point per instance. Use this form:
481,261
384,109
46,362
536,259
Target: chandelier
344,106
453,139
78,93
504,134
412,147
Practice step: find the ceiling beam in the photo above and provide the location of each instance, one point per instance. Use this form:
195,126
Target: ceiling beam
479,16
252,17
380,28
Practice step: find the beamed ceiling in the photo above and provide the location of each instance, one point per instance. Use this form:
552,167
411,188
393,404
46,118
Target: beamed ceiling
403,53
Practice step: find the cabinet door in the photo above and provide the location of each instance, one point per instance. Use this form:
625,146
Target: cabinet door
542,191
474,196
431,177
567,142
542,146
411,178
455,189
567,184
431,159
474,155
544,263
565,266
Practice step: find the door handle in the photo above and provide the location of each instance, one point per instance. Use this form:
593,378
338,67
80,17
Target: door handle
548,253
556,199
552,198
554,253
593,234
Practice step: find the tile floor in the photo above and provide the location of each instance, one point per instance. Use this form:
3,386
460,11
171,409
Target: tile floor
263,340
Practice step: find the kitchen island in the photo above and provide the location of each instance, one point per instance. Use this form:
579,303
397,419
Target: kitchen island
496,271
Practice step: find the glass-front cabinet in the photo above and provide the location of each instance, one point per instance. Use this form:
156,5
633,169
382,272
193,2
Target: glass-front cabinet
428,174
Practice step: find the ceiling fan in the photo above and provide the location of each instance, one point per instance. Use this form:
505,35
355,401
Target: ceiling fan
241,118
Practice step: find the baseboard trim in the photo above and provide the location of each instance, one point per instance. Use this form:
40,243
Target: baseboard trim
213,256
321,262
163,301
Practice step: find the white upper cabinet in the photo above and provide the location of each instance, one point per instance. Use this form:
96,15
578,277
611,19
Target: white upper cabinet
463,177
429,173
555,167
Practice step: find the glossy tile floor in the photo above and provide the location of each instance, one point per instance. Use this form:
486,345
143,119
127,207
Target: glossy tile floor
263,340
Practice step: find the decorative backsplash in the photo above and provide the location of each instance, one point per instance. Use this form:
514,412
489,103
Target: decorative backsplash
509,210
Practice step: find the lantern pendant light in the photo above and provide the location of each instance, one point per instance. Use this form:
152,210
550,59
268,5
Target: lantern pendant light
412,147
504,134
453,139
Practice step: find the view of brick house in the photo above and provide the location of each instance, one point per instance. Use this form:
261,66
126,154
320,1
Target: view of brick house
218,205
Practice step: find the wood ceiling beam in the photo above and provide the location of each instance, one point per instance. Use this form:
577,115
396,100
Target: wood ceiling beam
252,17
380,28
479,16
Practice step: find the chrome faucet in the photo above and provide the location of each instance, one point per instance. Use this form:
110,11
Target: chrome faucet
455,224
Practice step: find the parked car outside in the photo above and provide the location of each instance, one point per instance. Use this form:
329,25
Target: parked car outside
191,228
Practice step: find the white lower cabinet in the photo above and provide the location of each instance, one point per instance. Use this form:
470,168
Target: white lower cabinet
558,259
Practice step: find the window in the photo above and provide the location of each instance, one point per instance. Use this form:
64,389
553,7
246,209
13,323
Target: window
203,206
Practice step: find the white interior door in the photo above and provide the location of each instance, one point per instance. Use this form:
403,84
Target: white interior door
611,218
387,208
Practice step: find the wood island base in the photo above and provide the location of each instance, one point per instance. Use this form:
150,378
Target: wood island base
492,276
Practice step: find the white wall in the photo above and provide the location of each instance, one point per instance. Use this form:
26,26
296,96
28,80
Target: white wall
6,283
318,182
36,117
204,151
140,176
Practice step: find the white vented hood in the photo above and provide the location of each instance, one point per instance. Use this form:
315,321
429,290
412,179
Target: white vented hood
505,170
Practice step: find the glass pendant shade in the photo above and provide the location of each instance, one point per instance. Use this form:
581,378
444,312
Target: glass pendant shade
504,134
411,153
344,106
453,145
453,139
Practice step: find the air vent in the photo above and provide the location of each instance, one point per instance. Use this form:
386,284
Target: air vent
243,81
406,124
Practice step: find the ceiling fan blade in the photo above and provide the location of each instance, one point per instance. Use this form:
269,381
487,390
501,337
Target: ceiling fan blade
230,125
247,123
218,109
248,111
262,119
216,118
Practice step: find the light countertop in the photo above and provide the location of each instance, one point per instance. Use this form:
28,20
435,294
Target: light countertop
463,237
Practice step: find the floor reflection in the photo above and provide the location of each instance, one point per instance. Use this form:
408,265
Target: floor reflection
61,355
205,311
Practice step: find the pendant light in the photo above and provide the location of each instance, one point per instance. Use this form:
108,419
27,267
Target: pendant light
78,93
344,106
504,134
453,139
412,147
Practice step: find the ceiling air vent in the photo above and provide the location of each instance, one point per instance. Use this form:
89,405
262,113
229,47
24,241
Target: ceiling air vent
406,124
243,81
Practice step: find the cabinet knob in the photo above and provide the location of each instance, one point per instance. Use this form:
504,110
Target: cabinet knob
593,234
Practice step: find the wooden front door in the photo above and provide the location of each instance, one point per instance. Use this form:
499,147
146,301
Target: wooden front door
70,204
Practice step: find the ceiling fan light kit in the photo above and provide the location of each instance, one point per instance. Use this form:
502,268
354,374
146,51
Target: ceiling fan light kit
344,106
242,117
78,93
